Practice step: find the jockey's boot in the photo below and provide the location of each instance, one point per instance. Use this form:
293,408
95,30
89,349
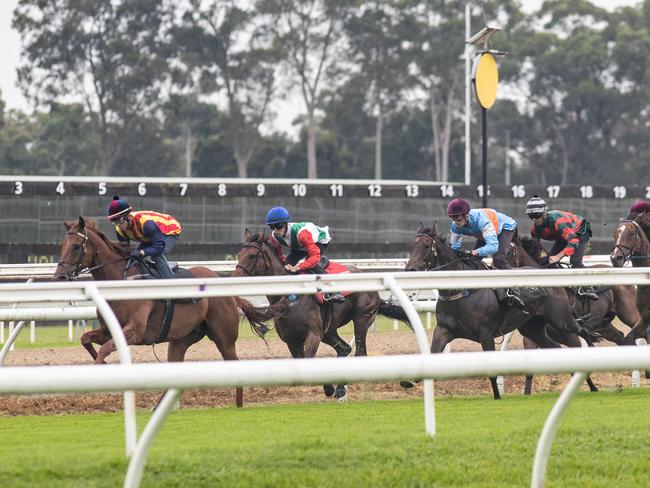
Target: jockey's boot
588,291
333,297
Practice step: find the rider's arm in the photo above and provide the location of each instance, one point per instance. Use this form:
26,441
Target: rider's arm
570,235
490,238
456,239
156,239
313,252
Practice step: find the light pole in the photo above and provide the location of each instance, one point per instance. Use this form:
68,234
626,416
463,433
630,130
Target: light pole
485,76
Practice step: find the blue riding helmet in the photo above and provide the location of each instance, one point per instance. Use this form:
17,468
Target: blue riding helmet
277,215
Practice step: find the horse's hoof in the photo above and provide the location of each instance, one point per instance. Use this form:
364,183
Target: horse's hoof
341,393
329,390
406,384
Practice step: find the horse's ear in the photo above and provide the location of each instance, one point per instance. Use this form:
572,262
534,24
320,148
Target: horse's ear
68,225
247,235
81,223
434,228
420,229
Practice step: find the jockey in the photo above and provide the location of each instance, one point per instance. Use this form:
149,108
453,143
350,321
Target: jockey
569,231
156,233
304,240
640,212
493,231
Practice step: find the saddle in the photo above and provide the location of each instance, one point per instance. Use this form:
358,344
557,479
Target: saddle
330,267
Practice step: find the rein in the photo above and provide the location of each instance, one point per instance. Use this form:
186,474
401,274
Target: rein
433,253
628,251
77,266
260,252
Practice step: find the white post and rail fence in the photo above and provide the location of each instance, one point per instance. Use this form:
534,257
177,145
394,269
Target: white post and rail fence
128,377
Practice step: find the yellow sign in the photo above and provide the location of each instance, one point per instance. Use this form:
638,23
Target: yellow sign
486,80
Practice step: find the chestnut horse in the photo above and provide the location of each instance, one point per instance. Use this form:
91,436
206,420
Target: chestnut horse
84,247
478,315
302,323
631,244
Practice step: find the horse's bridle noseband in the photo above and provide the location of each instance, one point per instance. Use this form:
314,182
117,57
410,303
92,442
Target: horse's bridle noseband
260,253
625,250
77,266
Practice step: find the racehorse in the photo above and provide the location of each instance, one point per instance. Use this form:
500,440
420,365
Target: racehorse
84,247
616,301
303,323
631,244
478,315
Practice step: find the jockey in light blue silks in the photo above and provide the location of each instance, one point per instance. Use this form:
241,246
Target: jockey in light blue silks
493,231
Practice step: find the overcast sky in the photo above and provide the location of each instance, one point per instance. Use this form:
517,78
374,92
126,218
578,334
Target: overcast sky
10,41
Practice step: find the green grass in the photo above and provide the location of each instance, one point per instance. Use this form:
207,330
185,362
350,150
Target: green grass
50,336
602,442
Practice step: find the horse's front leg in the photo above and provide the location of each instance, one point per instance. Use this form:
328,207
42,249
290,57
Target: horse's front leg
98,336
109,346
342,349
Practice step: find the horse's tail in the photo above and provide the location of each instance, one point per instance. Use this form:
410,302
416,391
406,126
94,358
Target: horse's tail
394,311
256,316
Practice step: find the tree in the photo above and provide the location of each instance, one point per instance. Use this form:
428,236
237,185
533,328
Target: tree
232,57
312,33
110,55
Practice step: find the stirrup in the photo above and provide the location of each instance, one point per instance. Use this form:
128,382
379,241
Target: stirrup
333,298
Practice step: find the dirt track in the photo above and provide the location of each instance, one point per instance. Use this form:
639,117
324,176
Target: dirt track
378,344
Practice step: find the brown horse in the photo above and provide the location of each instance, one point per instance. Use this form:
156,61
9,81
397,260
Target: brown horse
302,323
616,301
84,247
478,315
631,244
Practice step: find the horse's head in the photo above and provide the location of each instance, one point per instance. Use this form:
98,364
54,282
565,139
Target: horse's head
424,250
76,252
628,240
257,257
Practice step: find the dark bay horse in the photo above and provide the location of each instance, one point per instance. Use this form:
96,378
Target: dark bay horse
478,315
85,247
631,244
303,323
617,301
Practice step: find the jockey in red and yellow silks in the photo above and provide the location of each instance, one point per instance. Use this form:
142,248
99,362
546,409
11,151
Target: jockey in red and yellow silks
156,233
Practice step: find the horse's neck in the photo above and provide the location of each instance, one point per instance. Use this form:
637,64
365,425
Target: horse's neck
643,252
525,259
105,255
446,258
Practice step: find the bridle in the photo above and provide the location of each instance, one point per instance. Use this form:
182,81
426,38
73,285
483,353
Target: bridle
71,276
627,251
432,255
77,266
260,253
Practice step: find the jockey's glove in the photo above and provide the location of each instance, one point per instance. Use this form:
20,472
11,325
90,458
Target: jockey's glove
137,254
467,254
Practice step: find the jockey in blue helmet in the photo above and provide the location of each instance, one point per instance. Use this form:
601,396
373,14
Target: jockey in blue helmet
303,240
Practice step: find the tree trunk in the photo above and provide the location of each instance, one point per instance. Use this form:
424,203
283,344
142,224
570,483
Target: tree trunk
446,134
311,144
435,130
379,126
563,154
187,135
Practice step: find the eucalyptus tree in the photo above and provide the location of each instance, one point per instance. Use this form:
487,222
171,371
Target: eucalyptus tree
376,36
230,54
112,56
312,35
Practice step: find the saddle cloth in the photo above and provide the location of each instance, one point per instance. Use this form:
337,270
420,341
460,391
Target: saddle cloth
330,267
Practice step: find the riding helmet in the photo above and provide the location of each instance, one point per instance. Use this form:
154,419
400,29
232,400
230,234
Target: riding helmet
640,207
117,207
536,205
277,215
458,206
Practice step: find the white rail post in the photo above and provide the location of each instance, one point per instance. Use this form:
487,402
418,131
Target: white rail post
70,330
13,334
2,331
504,347
103,308
32,331
421,335
636,374
139,458
550,428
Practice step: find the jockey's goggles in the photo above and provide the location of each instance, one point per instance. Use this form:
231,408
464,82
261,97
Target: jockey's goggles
457,218
533,216
277,226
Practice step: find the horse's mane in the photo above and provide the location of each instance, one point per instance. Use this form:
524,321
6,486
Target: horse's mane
121,248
